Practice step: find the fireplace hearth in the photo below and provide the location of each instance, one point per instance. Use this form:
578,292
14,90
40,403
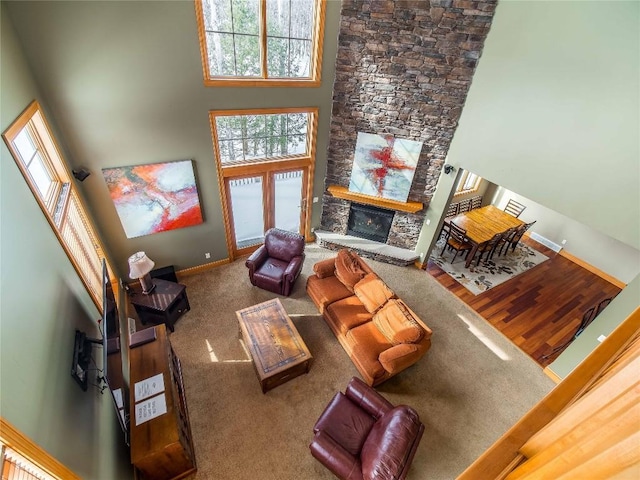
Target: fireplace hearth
372,223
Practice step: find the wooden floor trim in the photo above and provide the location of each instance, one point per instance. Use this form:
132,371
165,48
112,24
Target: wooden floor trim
552,375
596,271
203,268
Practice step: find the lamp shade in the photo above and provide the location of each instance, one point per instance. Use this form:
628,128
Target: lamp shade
140,265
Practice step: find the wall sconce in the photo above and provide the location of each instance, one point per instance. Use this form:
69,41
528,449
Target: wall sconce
81,174
449,168
139,267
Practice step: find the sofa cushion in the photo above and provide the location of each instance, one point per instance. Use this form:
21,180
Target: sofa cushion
324,291
347,313
401,356
348,269
325,268
366,343
372,292
396,322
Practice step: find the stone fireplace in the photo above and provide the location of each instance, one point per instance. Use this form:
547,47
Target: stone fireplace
404,69
367,221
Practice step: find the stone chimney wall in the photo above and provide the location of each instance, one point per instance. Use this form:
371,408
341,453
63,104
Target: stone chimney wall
403,68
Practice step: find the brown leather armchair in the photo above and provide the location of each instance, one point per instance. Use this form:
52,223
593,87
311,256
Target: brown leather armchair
361,436
276,265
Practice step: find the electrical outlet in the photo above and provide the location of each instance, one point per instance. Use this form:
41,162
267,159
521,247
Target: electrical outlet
313,229
315,199
207,255
428,222
602,338
564,242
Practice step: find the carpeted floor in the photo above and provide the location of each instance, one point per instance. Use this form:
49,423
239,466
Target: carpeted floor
470,387
488,274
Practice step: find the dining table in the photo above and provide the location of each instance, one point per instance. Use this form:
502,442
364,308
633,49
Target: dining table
482,224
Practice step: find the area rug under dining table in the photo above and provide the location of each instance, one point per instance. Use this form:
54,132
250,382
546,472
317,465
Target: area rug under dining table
486,275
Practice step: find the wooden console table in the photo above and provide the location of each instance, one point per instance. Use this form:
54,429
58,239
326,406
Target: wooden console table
162,446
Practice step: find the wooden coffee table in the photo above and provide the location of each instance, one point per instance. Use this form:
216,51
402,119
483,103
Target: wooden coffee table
277,349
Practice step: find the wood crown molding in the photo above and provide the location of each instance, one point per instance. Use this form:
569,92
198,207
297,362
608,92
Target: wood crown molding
16,440
338,191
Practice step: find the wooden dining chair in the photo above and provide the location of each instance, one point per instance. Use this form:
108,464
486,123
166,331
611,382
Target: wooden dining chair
476,202
514,208
517,236
489,248
452,211
465,205
456,240
505,241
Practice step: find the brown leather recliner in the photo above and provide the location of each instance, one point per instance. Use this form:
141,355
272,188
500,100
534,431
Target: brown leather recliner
361,436
276,265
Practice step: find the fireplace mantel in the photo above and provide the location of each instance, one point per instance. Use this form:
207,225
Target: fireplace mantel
344,193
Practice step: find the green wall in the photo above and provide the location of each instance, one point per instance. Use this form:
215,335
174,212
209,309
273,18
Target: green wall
42,302
124,83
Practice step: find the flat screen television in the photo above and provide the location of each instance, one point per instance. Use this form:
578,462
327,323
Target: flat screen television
112,362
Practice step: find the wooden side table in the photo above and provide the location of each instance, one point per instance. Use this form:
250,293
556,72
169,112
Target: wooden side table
165,304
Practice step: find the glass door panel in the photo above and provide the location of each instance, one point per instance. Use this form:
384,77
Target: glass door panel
247,208
288,199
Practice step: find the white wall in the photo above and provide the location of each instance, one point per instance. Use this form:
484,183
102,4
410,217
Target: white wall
609,255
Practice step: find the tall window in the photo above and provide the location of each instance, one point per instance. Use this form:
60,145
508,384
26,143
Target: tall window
261,42
34,149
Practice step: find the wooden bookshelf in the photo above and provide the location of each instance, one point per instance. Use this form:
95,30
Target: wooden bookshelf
343,192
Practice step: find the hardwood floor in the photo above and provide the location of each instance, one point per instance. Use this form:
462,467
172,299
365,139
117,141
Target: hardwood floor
539,309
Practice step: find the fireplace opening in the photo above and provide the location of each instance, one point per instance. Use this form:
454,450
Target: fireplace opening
369,222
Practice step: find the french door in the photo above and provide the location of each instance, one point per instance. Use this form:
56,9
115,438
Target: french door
265,160
258,202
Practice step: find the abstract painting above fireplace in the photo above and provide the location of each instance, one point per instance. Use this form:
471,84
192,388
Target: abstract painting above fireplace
383,166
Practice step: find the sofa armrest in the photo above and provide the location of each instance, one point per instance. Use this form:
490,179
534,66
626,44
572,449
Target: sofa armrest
257,258
367,398
399,357
335,458
325,268
293,269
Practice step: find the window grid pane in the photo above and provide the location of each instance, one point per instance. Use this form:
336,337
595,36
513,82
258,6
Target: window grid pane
259,137
232,37
247,209
25,146
40,176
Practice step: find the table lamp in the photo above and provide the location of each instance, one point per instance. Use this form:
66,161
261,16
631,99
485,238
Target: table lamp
139,267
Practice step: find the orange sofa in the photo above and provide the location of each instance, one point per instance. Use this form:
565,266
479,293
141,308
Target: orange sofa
379,332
